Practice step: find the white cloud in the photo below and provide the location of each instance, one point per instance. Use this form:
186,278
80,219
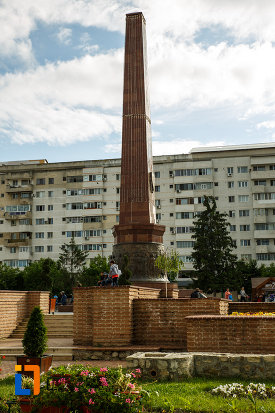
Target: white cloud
270,124
177,146
64,35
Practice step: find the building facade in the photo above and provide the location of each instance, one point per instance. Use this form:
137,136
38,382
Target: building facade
43,205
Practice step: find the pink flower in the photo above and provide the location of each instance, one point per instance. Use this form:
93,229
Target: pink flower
91,402
92,391
76,389
103,381
133,374
84,373
103,369
128,401
138,371
131,385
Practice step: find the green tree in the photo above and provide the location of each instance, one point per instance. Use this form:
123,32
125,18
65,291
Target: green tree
11,278
212,253
91,275
39,275
72,259
247,270
126,273
170,263
35,337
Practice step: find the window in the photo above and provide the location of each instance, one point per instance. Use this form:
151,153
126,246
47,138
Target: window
117,205
230,169
264,196
184,201
92,205
272,167
1,221
75,205
25,195
184,215
40,181
50,221
157,188
260,182
49,234
96,177
50,194
203,185
40,208
184,172
157,174
157,203
244,227
243,198
50,207
171,214
264,227
40,221
117,177
51,181
49,248
215,169
259,168
39,248
232,214
265,257
117,190
272,182
262,241
117,218
245,242
185,244
242,169
243,184
26,221
24,249
244,213
184,187
13,250
39,235
184,230
25,182
40,194
231,199
261,211
78,178
13,223
14,196
232,228
230,184
186,258
158,217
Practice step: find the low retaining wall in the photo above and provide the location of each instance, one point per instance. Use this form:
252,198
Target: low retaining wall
231,334
176,366
162,321
251,307
17,305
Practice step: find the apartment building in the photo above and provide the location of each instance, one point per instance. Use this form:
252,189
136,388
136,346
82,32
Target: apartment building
42,205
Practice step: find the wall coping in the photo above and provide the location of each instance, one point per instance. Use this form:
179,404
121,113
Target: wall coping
23,292
229,317
136,287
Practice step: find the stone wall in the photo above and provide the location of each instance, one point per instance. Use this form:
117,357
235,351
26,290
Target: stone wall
251,307
162,322
104,316
176,366
221,334
17,305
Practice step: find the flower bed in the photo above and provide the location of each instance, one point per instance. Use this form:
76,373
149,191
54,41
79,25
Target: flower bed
236,390
90,389
248,314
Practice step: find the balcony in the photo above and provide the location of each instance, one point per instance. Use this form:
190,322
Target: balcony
17,215
19,188
16,242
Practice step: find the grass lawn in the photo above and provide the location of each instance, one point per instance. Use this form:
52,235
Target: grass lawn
191,395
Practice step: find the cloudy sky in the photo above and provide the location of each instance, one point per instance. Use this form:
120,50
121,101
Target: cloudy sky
211,71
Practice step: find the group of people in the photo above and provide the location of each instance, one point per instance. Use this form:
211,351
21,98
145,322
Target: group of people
111,278
243,296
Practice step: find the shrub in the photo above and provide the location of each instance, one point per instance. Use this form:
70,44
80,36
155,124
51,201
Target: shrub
35,337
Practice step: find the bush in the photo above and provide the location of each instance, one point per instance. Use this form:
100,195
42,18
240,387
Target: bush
35,337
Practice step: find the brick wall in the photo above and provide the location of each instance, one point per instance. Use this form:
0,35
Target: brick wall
104,316
251,307
17,305
221,334
162,321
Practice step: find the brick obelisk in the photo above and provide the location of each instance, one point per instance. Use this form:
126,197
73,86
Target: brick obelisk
137,234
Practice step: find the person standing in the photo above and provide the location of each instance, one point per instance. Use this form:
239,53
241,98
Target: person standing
227,294
113,273
243,294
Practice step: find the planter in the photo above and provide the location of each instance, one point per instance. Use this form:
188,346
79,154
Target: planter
25,404
43,362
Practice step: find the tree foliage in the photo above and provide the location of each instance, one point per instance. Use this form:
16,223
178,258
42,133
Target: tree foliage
212,252
170,263
35,337
72,259
91,275
126,273
11,278
38,276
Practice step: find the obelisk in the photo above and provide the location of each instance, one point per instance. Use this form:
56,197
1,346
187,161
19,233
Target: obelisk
137,234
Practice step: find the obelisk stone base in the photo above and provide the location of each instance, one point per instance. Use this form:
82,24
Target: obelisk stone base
142,256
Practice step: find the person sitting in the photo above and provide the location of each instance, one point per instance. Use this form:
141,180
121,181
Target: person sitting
227,294
63,299
197,294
